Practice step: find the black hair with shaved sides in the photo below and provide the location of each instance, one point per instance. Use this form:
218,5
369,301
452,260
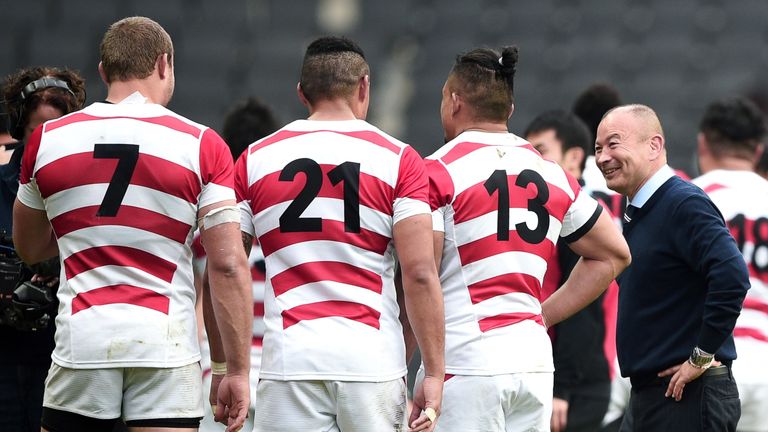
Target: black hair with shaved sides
733,126
485,79
332,68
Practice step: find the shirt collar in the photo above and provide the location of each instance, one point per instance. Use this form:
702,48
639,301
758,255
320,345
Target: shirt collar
652,185
135,98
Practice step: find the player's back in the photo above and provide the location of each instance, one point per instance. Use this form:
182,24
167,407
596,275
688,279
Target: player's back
323,198
742,198
503,209
122,185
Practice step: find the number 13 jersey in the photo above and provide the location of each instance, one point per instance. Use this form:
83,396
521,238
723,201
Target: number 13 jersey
502,209
122,185
322,197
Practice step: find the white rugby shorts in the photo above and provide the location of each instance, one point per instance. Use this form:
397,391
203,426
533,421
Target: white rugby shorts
130,393
330,406
497,403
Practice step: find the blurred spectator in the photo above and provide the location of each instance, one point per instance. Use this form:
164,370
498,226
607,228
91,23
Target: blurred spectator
7,143
729,141
593,103
32,96
247,122
582,379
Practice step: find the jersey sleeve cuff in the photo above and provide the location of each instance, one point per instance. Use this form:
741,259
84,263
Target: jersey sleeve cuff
29,195
407,207
579,233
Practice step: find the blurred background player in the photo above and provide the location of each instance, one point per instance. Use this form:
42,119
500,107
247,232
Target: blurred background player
331,200
582,379
761,167
32,96
499,211
730,139
123,226
248,121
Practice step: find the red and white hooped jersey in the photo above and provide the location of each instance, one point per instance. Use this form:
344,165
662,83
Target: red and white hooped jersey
742,198
502,208
122,185
322,197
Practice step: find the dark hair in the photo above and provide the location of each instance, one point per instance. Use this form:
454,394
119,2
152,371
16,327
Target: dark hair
332,68
592,104
733,126
485,79
131,46
19,108
248,121
569,130
4,121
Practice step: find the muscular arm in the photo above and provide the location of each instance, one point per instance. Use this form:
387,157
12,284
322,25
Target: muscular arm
422,292
604,255
230,294
33,236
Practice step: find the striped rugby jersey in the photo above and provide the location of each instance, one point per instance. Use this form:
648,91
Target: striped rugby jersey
322,197
502,208
122,185
742,198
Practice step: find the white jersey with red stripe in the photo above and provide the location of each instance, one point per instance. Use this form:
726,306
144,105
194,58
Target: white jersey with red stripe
322,197
502,209
742,198
122,185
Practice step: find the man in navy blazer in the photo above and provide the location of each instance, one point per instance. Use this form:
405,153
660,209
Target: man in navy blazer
680,297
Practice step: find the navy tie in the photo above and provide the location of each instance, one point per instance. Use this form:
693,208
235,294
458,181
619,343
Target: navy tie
629,213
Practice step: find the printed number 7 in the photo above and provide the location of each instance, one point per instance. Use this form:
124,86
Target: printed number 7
127,156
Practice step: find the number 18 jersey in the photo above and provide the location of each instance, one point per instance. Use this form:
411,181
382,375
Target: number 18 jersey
121,185
502,208
322,197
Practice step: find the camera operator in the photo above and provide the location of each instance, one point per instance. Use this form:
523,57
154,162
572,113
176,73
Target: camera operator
31,96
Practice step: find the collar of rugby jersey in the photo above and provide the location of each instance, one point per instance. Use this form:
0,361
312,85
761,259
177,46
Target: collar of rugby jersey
135,98
652,185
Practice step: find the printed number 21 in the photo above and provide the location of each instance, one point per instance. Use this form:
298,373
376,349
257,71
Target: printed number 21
127,156
498,182
348,173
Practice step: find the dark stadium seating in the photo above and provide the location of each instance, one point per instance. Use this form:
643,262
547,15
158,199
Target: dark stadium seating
675,56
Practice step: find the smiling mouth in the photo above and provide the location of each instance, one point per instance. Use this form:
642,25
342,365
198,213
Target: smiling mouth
609,171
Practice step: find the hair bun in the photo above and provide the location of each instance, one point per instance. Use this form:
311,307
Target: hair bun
508,61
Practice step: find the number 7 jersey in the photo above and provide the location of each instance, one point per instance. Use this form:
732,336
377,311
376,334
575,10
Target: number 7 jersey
121,185
322,197
502,209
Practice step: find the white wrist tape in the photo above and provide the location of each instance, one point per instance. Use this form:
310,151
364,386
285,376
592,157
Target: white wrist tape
218,368
221,215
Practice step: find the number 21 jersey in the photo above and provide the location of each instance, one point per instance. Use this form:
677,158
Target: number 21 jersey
322,197
502,209
122,185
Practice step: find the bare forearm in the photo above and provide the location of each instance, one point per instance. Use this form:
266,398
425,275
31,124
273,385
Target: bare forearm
408,336
424,303
587,281
232,304
211,326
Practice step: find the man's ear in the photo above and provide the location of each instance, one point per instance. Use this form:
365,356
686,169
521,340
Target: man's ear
573,157
657,146
163,66
701,144
302,98
364,88
511,110
103,75
456,103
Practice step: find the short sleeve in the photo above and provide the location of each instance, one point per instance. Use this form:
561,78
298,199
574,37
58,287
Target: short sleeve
440,192
28,193
580,217
412,188
242,196
216,170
